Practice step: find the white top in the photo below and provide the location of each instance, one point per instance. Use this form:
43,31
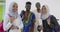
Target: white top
38,20
17,22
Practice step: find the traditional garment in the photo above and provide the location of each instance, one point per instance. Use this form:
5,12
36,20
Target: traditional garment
29,24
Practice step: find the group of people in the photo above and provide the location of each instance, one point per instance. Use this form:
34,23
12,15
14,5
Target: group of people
29,21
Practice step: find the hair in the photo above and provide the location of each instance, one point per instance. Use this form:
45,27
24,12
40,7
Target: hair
43,6
37,3
46,7
28,3
15,4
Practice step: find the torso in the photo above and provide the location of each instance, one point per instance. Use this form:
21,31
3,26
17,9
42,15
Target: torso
46,26
27,25
38,20
15,23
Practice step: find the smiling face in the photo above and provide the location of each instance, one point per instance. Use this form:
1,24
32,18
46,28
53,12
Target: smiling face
28,7
44,10
15,7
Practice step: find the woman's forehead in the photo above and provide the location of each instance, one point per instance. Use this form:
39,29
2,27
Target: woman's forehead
44,8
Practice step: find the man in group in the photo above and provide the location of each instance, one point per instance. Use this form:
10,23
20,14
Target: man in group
38,24
28,18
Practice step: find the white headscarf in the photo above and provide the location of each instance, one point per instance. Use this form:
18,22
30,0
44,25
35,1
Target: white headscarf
11,12
45,16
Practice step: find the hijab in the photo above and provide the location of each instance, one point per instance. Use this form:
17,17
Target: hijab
11,12
45,16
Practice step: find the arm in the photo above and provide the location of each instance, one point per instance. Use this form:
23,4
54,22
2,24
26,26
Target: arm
20,26
31,29
20,23
53,23
6,24
33,23
40,25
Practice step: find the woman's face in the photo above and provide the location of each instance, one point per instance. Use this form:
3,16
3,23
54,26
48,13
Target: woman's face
15,7
44,10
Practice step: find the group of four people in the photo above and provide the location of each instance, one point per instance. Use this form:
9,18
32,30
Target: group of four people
29,21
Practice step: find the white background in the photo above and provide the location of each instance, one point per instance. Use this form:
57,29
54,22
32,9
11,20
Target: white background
54,6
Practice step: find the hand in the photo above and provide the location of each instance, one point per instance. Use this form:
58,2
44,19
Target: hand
12,19
14,27
48,21
21,30
41,27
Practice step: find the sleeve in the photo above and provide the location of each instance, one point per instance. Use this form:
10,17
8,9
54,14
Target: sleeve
33,22
33,16
51,26
6,23
40,22
21,15
54,23
20,23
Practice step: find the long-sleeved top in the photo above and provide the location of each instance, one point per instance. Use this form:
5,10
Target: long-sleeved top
38,20
53,24
7,24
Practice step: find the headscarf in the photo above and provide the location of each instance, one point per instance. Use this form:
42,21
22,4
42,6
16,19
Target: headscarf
11,12
45,16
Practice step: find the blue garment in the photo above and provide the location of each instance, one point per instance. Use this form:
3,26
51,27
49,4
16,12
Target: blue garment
26,26
21,15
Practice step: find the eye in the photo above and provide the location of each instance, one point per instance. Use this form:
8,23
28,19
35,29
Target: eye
16,6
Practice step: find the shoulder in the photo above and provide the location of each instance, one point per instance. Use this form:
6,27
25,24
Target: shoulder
34,11
6,16
32,15
52,16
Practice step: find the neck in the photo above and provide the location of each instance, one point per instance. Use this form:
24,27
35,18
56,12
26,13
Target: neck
28,11
38,10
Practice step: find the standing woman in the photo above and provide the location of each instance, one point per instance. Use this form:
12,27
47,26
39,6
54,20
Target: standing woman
12,21
49,21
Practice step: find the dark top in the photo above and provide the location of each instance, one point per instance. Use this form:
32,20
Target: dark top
53,26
